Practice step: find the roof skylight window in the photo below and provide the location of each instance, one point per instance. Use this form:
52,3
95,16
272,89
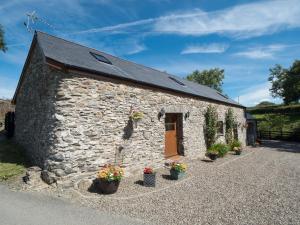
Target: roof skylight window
100,58
177,81
223,95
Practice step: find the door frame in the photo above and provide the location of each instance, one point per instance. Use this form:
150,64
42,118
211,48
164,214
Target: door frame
179,133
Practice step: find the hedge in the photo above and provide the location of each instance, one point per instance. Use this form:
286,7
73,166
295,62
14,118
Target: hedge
282,109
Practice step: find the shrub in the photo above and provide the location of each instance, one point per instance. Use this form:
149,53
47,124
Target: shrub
221,148
210,129
229,122
234,144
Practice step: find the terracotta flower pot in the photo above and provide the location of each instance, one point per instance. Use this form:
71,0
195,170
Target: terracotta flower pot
149,179
176,175
108,187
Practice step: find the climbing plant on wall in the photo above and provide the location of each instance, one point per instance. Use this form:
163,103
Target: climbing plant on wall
210,127
229,126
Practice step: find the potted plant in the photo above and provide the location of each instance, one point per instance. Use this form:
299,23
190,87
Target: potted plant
177,170
149,177
236,146
221,148
212,154
237,150
109,178
136,116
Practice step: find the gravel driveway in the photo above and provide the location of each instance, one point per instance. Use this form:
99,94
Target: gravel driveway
262,186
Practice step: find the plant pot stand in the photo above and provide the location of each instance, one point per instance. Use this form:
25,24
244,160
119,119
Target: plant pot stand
149,180
107,187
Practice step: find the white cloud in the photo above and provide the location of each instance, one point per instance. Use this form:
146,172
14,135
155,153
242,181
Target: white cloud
209,48
256,94
119,28
246,20
262,52
137,48
7,87
241,21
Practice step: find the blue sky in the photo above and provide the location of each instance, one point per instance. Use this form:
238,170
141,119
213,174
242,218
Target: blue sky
243,37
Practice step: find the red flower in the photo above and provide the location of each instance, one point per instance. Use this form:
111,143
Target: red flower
148,170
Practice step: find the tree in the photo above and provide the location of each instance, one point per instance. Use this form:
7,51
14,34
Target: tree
212,78
272,122
2,42
286,82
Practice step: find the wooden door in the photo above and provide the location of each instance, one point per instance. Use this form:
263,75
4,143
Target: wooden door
171,135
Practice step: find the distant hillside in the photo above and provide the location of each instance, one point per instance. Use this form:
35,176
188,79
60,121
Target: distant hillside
288,114
282,109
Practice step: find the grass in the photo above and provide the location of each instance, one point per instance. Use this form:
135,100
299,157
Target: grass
12,160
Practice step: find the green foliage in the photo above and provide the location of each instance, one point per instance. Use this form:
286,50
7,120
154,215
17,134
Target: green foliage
273,122
221,148
280,109
235,143
286,82
212,151
229,125
136,115
2,42
212,78
210,128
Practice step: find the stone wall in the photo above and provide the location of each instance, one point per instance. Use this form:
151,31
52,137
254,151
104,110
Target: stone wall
94,126
34,110
72,123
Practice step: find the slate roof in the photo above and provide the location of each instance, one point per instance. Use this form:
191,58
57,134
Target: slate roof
79,57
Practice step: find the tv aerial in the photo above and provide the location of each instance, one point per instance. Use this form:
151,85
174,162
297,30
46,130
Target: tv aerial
33,18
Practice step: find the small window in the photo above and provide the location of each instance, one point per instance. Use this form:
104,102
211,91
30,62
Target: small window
177,81
220,127
170,126
100,58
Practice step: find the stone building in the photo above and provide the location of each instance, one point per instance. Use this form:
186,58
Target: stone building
73,105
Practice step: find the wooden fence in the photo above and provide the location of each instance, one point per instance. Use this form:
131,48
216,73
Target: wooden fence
279,135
